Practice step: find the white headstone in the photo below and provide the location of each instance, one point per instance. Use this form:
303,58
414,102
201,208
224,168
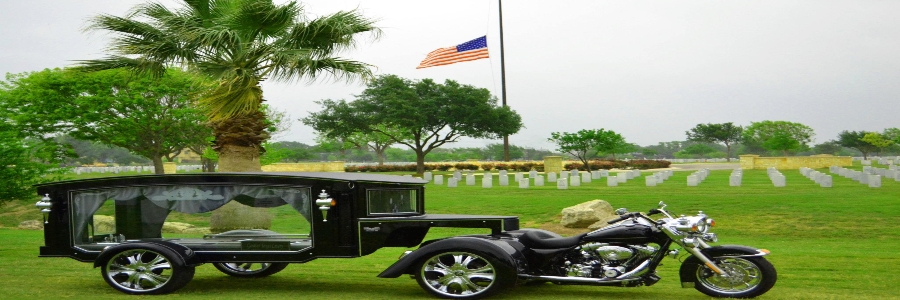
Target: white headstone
574,173
457,175
451,182
539,180
438,179
734,180
470,179
622,177
519,176
651,180
874,181
551,177
612,181
586,178
604,173
503,173
504,180
427,176
825,181
532,174
562,184
574,181
693,180
779,180
487,182
523,183
595,174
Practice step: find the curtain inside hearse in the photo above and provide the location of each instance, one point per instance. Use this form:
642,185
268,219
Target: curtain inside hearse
153,203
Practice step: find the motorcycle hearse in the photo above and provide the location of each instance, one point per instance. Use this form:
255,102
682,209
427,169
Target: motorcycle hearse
117,224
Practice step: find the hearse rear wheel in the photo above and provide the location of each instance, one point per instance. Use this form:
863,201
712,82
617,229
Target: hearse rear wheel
250,269
149,270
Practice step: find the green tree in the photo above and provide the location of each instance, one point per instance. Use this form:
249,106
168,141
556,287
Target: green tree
878,140
25,162
238,44
151,117
585,144
696,151
779,132
725,133
829,147
495,152
429,115
854,139
892,134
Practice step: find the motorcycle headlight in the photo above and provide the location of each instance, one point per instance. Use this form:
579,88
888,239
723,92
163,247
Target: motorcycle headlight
701,226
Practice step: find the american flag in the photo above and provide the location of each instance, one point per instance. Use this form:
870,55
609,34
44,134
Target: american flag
471,50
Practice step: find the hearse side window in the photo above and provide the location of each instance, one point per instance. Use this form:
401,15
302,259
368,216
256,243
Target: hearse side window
391,201
117,214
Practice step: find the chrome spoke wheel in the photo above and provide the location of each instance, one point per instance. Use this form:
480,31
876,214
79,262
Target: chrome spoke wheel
246,267
139,270
458,274
741,276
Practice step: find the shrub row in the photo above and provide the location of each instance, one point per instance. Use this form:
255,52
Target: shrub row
520,167
620,164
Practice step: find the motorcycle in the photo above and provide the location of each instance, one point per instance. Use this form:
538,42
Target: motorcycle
626,253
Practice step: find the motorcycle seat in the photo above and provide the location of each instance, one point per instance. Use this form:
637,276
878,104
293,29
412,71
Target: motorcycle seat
542,240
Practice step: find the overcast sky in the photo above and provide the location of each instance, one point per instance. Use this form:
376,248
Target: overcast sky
649,70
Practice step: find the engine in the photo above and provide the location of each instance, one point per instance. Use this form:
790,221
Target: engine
602,260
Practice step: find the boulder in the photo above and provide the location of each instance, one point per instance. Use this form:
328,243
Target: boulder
31,225
104,224
586,214
176,227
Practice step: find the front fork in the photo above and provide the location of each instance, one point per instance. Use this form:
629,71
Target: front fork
693,246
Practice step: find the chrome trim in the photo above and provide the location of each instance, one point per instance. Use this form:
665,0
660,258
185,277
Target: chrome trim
709,263
577,279
639,270
758,253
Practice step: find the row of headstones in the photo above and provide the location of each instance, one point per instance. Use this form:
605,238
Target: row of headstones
563,181
776,177
736,177
824,180
891,172
879,160
138,169
716,160
872,180
658,178
697,177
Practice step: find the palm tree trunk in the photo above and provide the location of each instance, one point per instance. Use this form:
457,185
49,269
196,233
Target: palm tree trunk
238,141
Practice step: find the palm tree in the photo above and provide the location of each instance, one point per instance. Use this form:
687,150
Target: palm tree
238,44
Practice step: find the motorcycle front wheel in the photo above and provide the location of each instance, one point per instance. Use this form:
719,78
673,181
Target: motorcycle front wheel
746,277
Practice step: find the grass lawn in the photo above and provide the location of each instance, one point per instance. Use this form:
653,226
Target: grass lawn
827,243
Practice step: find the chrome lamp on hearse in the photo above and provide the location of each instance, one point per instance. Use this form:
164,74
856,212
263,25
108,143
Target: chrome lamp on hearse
117,224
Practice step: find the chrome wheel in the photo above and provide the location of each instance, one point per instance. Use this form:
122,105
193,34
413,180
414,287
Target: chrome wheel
457,275
246,268
250,269
741,277
138,271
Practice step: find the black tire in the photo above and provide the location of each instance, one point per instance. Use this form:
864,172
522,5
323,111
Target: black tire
463,274
250,270
146,270
748,277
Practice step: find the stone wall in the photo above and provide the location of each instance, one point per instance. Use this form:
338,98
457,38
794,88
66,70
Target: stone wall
553,164
332,166
749,162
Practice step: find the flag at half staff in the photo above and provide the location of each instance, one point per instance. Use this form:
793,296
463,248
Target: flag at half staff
471,50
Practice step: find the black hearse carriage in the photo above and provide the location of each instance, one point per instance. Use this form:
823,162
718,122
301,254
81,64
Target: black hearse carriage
338,215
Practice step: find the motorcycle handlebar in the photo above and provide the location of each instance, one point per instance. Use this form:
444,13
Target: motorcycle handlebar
622,217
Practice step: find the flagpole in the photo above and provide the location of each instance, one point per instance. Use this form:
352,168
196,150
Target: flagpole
503,78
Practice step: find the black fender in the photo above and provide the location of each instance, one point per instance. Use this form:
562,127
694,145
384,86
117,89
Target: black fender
499,250
689,266
180,254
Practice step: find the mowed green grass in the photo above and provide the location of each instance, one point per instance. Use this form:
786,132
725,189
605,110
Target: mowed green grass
827,243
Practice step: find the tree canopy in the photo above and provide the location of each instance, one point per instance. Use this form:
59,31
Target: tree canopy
420,114
587,143
151,117
854,139
725,133
237,44
781,136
